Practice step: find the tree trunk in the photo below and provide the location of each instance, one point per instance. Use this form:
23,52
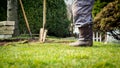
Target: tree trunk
12,15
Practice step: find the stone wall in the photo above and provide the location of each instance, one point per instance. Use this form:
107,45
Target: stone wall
6,29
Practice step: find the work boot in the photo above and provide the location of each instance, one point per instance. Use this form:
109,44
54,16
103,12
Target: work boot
85,37
81,43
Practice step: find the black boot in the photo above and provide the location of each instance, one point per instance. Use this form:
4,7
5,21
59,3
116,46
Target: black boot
85,37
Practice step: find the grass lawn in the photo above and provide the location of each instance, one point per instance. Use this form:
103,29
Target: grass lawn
59,55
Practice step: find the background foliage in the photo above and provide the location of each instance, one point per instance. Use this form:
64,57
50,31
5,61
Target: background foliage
108,19
98,5
57,23
3,11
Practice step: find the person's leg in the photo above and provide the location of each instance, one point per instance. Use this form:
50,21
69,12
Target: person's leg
82,18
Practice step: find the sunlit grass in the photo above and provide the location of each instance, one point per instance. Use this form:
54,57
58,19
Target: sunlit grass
59,55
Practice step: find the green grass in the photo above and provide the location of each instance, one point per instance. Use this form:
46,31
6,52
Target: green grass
59,55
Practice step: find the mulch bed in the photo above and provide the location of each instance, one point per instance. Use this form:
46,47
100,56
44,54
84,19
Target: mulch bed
6,41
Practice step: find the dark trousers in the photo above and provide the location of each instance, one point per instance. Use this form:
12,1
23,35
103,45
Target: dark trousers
82,12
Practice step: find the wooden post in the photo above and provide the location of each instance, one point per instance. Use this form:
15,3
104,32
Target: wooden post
93,36
100,37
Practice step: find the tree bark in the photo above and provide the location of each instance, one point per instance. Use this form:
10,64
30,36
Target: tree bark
12,14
